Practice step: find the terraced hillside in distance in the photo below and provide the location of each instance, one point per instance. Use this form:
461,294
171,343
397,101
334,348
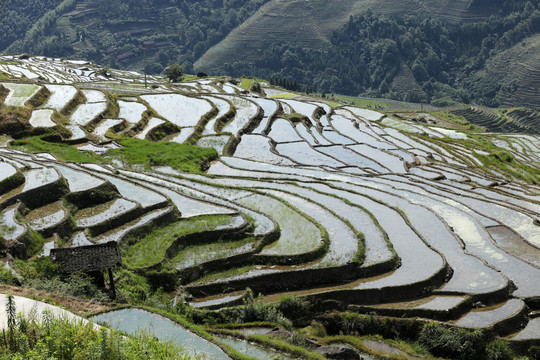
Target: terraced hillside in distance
277,20
396,214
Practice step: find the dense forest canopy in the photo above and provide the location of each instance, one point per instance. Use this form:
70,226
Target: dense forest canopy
18,16
184,30
366,54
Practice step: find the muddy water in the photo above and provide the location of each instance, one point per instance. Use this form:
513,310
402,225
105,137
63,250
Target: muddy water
39,177
10,229
118,233
302,153
283,131
418,261
352,158
258,148
136,193
510,242
531,331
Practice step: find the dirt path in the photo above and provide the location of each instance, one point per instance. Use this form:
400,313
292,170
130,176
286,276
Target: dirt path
73,305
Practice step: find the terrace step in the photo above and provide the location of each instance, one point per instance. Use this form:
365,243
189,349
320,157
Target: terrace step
150,219
10,228
42,186
503,318
528,336
147,198
50,219
10,177
85,189
219,301
106,216
442,308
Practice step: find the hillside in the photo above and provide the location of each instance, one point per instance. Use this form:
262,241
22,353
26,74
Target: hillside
391,220
311,23
518,72
452,49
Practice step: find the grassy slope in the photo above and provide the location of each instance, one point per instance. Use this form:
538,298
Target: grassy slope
134,151
280,20
179,156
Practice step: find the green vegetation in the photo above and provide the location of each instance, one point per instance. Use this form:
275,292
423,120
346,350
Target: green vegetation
60,338
255,310
456,343
150,249
173,73
285,95
41,274
370,54
18,16
36,144
183,157
244,84
174,32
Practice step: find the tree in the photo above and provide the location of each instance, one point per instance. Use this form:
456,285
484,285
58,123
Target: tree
173,72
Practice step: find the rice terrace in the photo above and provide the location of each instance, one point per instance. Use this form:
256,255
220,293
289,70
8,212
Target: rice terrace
364,229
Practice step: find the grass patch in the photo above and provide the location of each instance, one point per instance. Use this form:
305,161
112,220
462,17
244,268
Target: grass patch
283,96
150,249
182,157
64,152
244,84
457,119
187,77
364,103
332,103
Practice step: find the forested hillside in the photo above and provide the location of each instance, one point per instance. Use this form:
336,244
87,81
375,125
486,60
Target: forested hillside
430,51
114,32
370,53
18,16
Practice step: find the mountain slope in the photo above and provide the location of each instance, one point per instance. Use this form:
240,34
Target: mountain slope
311,23
437,51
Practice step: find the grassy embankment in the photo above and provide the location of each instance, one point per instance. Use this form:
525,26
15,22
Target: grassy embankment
133,151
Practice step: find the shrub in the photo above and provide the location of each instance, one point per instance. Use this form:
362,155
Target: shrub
255,86
6,277
255,310
173,72
77,285
499,350
452,343
293,307
503,156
